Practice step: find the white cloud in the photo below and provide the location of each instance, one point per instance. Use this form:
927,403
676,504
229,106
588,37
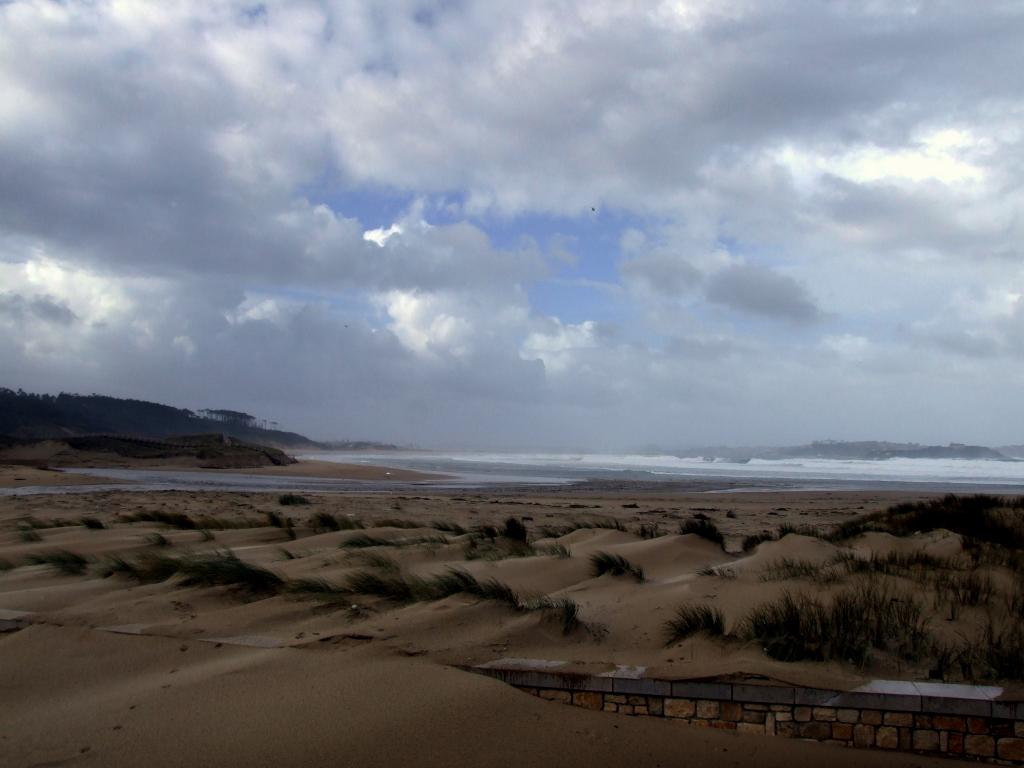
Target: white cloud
189,186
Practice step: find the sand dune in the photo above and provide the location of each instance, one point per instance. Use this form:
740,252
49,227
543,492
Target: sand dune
317,681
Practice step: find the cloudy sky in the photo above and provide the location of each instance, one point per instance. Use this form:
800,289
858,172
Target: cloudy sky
593,225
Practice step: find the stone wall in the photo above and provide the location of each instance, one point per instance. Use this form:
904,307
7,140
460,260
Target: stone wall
950,725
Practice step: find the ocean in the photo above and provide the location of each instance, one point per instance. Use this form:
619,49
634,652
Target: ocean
568,467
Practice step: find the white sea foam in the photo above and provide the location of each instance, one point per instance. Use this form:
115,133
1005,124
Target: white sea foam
964,471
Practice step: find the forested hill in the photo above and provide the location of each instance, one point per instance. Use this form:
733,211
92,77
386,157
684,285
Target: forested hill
27,415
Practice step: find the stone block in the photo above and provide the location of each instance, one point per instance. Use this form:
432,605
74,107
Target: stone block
1000,728
656,706
842,731
871,717
752,729
769,723
613,698
801,714
588,700
863,736
977,725
754,707
637,700
781,708
816,731
948,723
528,678
955,743
731,711
980,746
825,714
847,715
640,709
903,719
811,697
763,694
894,702
608,707
708,709
1008,709
783,717
785,729
1018,730
1011,749
906,738
641,687
625,709
685,708
752,717
942,705
563,697
722,725
923,721
887,737
926,741
691,690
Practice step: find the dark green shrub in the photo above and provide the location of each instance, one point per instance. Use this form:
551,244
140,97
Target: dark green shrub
514,530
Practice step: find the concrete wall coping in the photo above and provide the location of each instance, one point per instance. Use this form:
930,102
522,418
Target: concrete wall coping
888,695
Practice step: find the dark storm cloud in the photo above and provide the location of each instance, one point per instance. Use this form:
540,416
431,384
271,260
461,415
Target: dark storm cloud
760,291
45,308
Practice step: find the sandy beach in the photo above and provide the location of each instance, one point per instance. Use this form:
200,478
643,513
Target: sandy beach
305,670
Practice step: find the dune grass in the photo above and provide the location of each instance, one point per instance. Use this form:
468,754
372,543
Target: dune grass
61,560
567,611
556,531
868,616
364,541
391,586
482,548
751,542
321,522
171,519
704,528
615,565
785,568
448,526
649,531
980,518
158,540
292,500
226,569
690,619
320,590
553,550
798,530
147,569
397,522
718,571
377,560
93,523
